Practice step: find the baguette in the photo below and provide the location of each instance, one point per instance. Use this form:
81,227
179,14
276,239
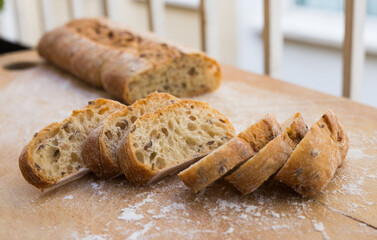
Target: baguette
100,148
315,160
54,153
171,139
250,175
228,156
127,64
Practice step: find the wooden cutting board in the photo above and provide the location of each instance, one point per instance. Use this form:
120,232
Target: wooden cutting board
94,209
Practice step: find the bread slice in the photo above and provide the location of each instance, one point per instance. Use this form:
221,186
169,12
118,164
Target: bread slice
228,156
171,139
54,153
101,147
315,160
250,175
129,65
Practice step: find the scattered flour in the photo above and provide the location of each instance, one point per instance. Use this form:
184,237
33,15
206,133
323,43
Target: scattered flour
129,214
97,186
68,197
274,214
318,226
277,227
352,189
230,230
138,234
89,236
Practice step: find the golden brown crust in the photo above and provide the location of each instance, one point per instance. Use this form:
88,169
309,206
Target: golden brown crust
93,153
250,175
337,132
259,134
103,54
231,154
29,169
139,173
314,162
216,164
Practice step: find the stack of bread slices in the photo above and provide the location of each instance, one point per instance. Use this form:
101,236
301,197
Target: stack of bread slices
152,138
305,160
161,135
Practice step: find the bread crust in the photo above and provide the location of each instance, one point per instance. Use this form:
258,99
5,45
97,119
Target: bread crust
228,156
314,162
27,166
106,55
94,153
139,173
216,164
256,170
31,170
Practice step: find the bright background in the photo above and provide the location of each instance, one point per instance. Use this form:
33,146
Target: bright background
313,33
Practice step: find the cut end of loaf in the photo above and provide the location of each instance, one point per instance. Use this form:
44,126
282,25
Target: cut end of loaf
186,76
174,135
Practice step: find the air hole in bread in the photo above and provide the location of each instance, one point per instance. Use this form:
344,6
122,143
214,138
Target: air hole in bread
122,125
55,154
55,142
74,157
191,141
165,132
160,163
133,119
66,127
140,156
192,118
109,135
103,110
170,125
71,138
152,156
158,136
153,133
192,126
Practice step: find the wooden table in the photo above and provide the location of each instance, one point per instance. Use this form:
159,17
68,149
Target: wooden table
93,209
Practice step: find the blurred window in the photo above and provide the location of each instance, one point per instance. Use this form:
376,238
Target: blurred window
335,5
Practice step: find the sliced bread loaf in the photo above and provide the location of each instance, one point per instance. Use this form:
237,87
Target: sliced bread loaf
54,153
250,175
171,139
315,160
228,156
101,147
129,65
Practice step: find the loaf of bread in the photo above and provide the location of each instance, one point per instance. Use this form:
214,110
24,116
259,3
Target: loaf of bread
250,175
228,156
101,147
129,65
315,160
171,139
54,153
